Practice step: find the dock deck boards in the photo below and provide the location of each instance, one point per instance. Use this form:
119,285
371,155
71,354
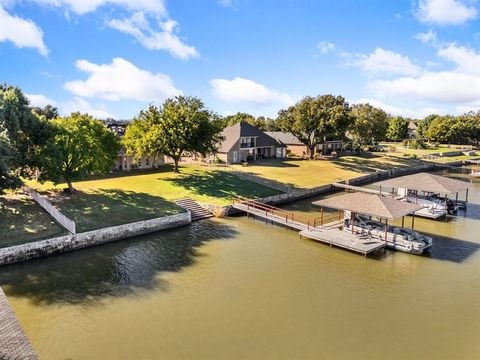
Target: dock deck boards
344,240
328,233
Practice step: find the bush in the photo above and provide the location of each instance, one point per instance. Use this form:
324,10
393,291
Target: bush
414,144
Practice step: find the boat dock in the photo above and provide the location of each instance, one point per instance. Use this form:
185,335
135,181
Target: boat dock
325,229
344,240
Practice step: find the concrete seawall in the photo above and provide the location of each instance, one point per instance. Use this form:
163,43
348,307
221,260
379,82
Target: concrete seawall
71,242
328,188
14,344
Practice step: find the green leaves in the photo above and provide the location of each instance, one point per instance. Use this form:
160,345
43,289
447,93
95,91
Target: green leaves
180,124
397,129
313,120
80,146
369,125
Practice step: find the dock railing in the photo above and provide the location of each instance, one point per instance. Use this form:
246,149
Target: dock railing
286,215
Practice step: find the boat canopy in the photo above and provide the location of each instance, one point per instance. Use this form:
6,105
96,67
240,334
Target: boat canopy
370,204
426,182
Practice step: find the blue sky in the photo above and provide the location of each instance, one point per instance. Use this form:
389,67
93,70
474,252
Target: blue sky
114,57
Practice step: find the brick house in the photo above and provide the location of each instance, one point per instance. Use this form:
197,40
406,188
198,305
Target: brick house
244,142
294,146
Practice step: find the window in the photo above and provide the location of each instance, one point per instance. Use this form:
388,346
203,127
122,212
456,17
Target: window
247,141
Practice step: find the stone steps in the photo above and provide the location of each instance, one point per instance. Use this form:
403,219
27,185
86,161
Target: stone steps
198,212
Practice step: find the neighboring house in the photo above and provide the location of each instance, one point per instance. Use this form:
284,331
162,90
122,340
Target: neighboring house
125,162
244,142
412,130
329,146
294,146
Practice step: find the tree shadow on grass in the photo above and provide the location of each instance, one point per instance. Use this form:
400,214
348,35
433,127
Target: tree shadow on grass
365,164
121,268
22,220
166,168
221,185
280,163
110,207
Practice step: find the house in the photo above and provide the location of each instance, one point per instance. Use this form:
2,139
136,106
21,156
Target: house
294,146
244,142
412,130
125,162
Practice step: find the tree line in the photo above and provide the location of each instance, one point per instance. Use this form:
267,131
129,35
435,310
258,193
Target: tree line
38,142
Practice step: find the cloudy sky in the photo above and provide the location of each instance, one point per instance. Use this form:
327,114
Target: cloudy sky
114,57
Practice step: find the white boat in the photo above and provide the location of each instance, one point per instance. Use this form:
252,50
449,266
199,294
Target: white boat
397,238
434,205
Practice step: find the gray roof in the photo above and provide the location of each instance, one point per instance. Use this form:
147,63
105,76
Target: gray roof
233,133
426,182
370,204
284,137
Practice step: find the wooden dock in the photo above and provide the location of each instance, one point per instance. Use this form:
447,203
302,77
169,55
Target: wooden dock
345,240
322,229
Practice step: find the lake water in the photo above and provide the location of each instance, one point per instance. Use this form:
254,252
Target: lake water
239,289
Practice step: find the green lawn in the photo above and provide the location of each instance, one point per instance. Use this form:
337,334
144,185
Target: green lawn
311,173
128,197
22,220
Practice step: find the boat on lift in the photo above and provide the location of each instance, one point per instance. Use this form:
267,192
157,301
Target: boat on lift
397,238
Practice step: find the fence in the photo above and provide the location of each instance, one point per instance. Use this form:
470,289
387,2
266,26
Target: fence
67,223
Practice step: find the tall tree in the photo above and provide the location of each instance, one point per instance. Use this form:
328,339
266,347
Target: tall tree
423,126
48,112
239,117
397,128
8,180
369,125
26,133
180,124
313,120
80,146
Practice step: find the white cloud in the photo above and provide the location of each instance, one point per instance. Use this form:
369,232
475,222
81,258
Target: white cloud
82,7
401,111
121,80
429,37
240,90
325,46
386,62
22,32
83,106
460,85
40,100
164,39
445,12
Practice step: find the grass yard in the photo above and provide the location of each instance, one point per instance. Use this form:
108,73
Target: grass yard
128,197
22,220
311,173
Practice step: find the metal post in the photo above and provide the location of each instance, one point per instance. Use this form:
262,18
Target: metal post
466,197
456,199
403,221
413,219
321,218
386,227
353,221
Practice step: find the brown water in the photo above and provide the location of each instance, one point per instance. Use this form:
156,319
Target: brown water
238,289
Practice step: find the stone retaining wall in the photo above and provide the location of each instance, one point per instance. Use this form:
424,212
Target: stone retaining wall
71,242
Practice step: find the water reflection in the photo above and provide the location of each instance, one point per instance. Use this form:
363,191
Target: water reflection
115,269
